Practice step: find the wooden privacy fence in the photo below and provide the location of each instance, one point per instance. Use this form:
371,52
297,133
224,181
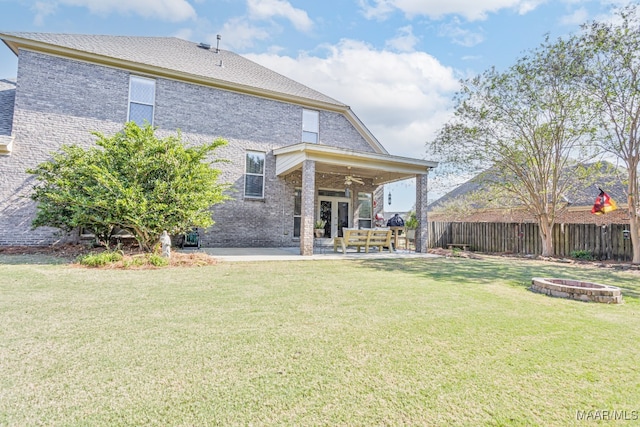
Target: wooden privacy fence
606,242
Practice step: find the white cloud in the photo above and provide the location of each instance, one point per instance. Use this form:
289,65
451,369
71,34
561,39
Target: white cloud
579,16
472,10
405,41
527,6
184,33
167,10
239,34
616,3
403,98
267,9
458,35
471,57
42,10
380,10
275,49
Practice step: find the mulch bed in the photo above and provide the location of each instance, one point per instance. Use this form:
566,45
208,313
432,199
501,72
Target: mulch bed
68,250
71,252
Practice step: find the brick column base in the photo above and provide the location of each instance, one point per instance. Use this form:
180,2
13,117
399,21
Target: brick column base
308,205
421,213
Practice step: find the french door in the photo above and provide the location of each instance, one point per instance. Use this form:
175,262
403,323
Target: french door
335,211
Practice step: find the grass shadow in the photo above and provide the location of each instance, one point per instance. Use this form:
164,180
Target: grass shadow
514,272
34,259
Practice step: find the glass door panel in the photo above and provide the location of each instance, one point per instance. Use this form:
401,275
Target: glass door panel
343,217
325,215
335,212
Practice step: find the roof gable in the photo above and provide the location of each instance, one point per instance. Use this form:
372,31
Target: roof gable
7,96
173,55
180,59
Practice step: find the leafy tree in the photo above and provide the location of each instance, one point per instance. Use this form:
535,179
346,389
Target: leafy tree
132,181
528,124
611,54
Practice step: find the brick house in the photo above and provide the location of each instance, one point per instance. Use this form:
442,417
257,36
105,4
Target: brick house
290,148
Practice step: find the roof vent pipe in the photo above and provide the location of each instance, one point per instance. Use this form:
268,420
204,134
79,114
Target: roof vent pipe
218,37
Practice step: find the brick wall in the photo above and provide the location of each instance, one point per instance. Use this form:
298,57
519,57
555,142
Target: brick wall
57,101
61,101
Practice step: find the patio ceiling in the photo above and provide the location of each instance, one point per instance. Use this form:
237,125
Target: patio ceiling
381,168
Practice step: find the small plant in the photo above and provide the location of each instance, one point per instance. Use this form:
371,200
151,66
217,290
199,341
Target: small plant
109,257
456,251
158,260
135,261
412,221
101,259
319,224
582,254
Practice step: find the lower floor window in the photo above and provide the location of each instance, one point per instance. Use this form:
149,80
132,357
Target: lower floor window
254,175
297,212
365,210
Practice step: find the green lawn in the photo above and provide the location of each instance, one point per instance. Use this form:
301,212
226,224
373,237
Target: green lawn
433,342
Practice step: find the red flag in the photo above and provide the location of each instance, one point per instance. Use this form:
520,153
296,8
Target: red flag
604,203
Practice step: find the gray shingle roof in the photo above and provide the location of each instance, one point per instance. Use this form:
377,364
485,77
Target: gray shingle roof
583,191
173,54
7,97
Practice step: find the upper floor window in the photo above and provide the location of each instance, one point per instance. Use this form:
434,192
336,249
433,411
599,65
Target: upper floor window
142,97
310,126
254,175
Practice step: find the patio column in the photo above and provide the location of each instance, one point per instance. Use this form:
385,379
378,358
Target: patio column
308,205
422,233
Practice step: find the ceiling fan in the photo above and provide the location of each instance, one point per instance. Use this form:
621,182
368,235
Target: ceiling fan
349,179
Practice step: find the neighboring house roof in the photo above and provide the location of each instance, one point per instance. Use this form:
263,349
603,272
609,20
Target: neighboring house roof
583,194
453,206
7,97
476,183
183,60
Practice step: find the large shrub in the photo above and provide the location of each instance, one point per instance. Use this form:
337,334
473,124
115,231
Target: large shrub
132,181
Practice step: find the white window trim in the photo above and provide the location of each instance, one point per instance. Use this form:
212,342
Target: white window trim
153,104
316,131
359,200
264,170
296,189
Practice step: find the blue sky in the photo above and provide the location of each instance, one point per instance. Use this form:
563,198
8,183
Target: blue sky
397,63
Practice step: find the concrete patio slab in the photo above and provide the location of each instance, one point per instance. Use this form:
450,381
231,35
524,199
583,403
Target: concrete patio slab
293,254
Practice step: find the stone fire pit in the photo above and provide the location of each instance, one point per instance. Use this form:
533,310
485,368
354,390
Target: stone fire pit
578,290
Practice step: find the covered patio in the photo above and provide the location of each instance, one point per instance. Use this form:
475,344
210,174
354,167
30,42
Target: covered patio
316,164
